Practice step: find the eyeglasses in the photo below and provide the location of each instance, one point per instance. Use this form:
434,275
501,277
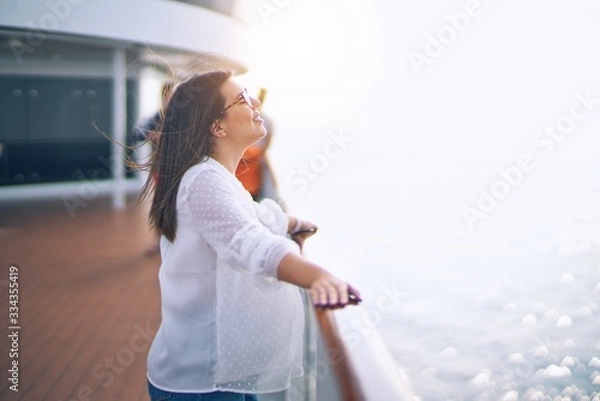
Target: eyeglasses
243,97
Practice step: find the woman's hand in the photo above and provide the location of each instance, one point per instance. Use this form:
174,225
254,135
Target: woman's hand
300,236
296,225
327,291
300,230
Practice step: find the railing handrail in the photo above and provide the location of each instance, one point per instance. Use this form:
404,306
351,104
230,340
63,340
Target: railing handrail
365,371
347,382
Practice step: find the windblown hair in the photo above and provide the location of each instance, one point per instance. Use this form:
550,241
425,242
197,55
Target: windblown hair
184,141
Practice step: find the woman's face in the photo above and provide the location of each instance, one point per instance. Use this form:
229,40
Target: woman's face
240,121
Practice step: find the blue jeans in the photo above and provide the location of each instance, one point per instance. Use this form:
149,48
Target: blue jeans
157,394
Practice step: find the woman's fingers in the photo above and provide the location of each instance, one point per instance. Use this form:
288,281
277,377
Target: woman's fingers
318,295
323,296
301,236
314,297
333,295
298,240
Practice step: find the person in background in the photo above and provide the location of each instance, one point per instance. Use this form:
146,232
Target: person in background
231,309
254,170
148,130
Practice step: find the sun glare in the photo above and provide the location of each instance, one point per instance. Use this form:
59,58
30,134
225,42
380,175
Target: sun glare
317,57
298,56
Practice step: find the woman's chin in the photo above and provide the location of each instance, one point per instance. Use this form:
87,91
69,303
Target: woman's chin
263,132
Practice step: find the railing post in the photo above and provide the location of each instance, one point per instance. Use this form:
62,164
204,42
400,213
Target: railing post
119,101
311,333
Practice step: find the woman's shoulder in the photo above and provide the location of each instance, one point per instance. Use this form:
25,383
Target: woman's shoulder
204,172
202,169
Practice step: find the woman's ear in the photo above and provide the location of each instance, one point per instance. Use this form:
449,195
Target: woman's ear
217,129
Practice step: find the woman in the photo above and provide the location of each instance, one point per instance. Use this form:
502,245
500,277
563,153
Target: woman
231,324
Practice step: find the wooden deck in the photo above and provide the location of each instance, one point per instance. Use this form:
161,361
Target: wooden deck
88,300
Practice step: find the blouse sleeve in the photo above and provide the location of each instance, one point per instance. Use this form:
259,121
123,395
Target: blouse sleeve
232,229
272,216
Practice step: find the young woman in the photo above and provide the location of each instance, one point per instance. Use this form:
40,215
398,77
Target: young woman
232,315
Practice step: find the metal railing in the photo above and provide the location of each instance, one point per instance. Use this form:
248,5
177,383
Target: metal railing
363,367
344,365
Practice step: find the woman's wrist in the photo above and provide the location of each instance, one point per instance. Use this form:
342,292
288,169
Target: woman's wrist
297,270
293,223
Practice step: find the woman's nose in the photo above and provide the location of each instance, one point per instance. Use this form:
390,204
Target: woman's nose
255,103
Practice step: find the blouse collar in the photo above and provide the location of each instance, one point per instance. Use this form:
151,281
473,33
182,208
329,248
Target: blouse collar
223,170
218,166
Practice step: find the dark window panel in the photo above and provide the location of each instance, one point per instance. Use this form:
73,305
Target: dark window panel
50,129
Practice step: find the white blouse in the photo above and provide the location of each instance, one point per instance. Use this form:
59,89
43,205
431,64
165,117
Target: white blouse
227,322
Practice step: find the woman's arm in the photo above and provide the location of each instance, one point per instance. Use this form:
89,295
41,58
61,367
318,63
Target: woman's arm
325,289
218,214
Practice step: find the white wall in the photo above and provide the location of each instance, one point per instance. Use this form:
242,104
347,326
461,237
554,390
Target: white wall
153,22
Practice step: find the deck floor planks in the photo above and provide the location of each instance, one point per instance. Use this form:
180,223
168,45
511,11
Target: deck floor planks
84,283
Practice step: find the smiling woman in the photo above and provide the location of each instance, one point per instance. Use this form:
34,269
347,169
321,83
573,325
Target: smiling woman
238,128
232,315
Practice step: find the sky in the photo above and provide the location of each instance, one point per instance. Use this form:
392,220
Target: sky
400,117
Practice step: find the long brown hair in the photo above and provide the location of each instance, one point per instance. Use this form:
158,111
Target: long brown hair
184,141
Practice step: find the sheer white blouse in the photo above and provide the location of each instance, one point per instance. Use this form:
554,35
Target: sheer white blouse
227,323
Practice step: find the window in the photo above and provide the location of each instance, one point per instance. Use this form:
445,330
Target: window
49,128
